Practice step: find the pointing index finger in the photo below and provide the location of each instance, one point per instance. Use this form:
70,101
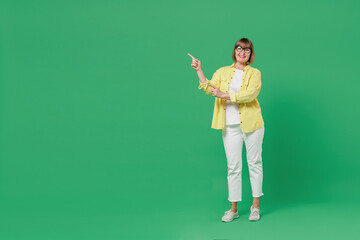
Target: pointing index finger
191,56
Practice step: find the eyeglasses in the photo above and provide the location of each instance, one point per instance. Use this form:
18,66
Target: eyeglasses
246,50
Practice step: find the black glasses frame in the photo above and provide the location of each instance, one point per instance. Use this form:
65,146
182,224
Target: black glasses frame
238,46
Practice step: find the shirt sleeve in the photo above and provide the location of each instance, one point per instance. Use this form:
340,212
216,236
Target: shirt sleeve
251,92
214,81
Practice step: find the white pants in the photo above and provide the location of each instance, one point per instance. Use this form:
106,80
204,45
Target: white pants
233,138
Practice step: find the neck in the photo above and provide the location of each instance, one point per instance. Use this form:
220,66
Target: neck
240,65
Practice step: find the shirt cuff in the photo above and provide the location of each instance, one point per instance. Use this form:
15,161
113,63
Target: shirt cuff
204,84
232,97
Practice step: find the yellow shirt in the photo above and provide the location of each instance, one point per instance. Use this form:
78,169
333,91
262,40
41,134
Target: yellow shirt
249,108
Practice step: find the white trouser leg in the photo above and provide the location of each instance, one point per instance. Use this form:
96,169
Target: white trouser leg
233,143
233,139
253,143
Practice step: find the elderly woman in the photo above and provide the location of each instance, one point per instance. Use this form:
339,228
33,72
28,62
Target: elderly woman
237,114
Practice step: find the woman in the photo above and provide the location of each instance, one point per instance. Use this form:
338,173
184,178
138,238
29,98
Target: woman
237,113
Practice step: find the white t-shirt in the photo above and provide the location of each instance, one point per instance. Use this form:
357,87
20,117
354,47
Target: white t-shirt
232,109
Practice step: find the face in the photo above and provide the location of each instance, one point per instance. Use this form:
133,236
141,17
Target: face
242,54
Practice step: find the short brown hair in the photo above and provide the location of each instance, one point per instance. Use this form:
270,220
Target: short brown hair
244,42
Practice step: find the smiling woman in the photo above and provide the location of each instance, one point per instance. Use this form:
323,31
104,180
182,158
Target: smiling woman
237,114
248,47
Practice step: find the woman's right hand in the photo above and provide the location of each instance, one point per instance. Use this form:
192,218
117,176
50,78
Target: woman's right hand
196,64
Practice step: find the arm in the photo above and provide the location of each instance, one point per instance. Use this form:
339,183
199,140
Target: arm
205,84
250,93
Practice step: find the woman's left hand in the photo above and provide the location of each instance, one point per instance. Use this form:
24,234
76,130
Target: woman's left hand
216,92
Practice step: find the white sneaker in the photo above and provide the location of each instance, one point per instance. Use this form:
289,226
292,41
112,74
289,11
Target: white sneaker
229,216
255,214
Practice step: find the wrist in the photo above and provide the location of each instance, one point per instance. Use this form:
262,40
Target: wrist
226,96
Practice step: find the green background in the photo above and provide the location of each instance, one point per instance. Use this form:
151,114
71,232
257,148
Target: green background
104,134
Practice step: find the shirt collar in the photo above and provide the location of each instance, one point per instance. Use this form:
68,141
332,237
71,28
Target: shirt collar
244,69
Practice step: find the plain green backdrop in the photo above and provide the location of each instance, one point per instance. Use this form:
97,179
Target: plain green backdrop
105,135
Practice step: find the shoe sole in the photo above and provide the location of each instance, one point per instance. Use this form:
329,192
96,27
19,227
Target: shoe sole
231,219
